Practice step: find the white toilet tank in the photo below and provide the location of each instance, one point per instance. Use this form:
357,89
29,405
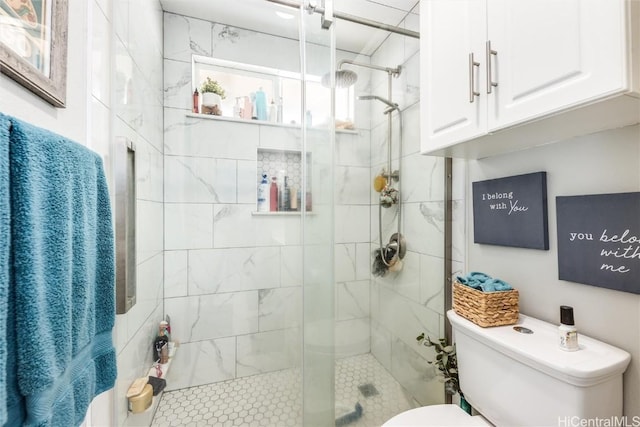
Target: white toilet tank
514,378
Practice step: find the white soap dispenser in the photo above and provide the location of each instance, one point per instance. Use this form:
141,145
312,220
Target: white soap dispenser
567,329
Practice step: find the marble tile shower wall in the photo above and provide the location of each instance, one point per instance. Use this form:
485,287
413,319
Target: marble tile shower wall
409,302
127,39
233,279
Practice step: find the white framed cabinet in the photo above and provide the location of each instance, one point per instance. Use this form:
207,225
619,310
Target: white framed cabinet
451,43
493,65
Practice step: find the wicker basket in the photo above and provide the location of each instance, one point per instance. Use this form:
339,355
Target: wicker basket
485,308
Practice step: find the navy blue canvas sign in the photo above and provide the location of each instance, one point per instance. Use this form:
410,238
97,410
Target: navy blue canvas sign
599,240
512,211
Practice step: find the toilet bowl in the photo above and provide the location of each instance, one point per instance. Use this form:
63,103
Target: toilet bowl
436,415
518,375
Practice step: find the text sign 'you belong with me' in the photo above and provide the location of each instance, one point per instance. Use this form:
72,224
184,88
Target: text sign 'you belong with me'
512,211
599,240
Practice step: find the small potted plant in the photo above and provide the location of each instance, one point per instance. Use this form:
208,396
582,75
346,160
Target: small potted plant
212,94
446,362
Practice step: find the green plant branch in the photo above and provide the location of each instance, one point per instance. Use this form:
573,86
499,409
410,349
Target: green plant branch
210,85
445,361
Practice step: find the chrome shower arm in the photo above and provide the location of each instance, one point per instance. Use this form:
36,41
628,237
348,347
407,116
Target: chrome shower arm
392,105
391,71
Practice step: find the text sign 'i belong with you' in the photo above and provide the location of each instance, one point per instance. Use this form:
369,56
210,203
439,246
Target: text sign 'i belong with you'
512,211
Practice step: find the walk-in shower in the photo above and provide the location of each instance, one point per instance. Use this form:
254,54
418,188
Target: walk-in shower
281,320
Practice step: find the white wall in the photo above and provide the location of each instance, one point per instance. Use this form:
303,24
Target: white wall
94,116
81,120
606,162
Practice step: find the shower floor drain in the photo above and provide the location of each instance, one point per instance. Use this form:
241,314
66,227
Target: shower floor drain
368,390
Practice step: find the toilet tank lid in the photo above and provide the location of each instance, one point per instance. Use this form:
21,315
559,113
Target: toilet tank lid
593,363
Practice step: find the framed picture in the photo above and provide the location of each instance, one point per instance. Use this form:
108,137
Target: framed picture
512,211
33,46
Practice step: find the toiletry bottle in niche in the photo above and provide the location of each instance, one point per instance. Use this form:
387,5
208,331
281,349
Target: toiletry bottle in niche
279,111
293,198
280,191
273,195
567,329
287,197
261,105
247,109
273,112
263,194
308,202
254,111
237,109
196,102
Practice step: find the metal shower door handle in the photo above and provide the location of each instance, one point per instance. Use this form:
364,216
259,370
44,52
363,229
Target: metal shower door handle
490,83
472,91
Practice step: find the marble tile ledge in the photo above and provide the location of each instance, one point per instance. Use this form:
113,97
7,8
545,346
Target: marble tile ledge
145,417
263,123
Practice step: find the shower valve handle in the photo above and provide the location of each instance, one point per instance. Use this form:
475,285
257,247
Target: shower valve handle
472,78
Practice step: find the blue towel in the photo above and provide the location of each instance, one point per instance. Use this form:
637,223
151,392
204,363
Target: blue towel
483,282
12,402
62,290
5,248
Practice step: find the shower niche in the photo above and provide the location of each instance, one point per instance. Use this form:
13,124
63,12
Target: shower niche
265,95
287,191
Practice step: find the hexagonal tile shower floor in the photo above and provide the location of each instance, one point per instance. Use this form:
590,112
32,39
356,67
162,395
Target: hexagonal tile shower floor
274,399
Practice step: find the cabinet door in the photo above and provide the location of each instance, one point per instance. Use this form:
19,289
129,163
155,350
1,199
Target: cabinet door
451,30
553,55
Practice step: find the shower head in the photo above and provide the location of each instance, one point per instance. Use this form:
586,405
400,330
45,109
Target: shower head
344,78
392,106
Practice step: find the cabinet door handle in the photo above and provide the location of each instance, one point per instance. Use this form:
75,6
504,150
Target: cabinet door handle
490,83
472,91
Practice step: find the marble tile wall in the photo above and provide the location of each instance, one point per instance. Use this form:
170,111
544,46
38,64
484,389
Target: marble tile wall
233,279
233,299
409,302
352,236
127,99
233,287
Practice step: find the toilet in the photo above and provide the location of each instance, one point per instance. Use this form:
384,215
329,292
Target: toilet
518,375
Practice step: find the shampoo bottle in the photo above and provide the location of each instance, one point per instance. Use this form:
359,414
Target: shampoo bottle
196,102
273,112
279,111
281,184
273,195
263,194
293,198
286,196
567,329
237,109
261,105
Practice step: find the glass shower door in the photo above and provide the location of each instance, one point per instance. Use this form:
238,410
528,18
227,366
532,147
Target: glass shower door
318,141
